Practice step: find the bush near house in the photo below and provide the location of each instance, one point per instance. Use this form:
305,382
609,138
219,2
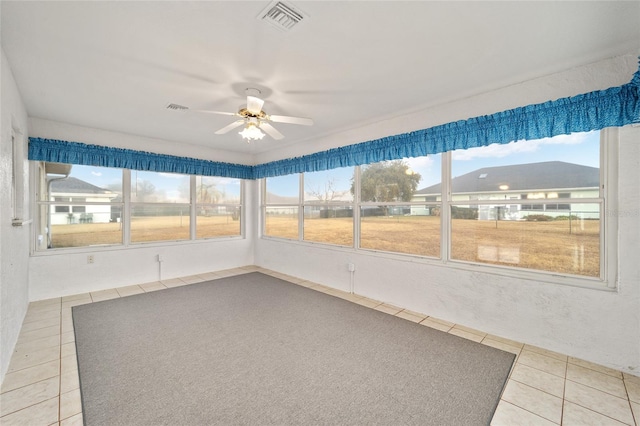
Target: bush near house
538,218
463,213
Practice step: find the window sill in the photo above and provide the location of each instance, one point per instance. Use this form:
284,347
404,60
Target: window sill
495,270
133,246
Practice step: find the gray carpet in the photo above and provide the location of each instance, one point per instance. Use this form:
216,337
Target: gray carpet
255,350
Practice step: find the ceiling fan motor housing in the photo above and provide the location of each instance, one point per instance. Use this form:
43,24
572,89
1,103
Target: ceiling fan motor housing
248,114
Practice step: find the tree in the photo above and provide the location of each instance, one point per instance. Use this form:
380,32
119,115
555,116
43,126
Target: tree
329,193
144,189
387,181
326,195
208,193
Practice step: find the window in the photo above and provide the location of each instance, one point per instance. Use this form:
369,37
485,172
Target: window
217,207
82,206
282,198
533,205
160,207
400,206
61,209
79,206
328,206
490,224
65,208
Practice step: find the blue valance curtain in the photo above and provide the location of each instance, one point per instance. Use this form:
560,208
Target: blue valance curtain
57,151
614,107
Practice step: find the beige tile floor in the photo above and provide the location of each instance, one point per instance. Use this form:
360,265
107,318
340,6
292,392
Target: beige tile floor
545,388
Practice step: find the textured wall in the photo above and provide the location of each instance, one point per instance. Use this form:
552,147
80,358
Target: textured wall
14,241
601,326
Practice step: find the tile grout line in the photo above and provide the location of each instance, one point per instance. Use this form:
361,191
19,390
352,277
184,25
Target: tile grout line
564,391
592,369
601,390
528,411
541,390
60,366
601,414
543,371
633,414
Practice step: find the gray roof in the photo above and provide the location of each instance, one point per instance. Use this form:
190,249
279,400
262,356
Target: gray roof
280,199
76,186
523,177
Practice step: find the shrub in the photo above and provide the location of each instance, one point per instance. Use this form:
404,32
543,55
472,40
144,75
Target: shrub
564,217
538,218
463,213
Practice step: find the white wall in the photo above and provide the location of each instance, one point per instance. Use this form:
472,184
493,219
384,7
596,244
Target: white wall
14,241
63,274
66,272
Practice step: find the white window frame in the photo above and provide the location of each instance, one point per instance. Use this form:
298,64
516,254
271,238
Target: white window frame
39,250
608,279
17,177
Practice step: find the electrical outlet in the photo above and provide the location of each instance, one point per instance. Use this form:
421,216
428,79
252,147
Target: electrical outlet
90,258
351,267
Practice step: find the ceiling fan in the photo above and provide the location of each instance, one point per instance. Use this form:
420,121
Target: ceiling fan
253,118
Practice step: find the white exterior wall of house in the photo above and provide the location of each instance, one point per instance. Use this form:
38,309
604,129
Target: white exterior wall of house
98,213
515,210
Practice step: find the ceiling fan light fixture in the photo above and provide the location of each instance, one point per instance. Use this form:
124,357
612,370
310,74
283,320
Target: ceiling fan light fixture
251,132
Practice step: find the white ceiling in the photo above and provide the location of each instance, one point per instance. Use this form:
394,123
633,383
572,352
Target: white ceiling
116,65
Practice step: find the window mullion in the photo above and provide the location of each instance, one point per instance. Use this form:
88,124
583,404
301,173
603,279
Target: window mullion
125,220
445,208
356,208
609,145
262,202
194,207
301,208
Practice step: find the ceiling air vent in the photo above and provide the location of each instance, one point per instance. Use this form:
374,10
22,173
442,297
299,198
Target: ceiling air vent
282,16
177,107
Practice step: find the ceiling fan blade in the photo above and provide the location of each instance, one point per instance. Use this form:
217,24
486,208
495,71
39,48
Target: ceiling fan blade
214,112
271,131
177,107
230,127
254,105
291,120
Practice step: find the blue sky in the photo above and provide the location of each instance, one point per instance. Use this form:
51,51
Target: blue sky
171,185
577,148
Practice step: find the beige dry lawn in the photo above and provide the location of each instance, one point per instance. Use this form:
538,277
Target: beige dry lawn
143,229
557,246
